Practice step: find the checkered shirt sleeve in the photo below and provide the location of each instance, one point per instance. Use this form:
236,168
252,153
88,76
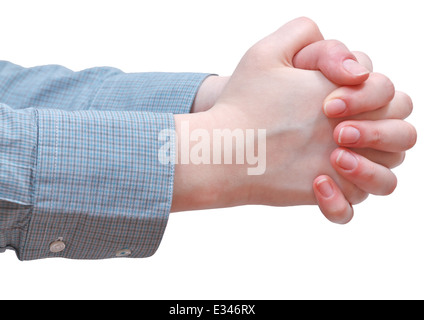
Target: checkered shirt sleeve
79,160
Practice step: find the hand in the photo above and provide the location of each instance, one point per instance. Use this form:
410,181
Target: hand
377,139
257,53
331,57
382,140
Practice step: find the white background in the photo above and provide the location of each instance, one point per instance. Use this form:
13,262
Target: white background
245,252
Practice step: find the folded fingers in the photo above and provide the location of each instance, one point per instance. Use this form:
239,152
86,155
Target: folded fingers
368,176
390,135
373,94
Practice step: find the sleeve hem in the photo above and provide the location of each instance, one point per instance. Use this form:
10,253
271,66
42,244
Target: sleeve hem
150,92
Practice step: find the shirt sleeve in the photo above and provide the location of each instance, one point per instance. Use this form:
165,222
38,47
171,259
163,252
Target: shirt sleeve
100,88
80,175
83,184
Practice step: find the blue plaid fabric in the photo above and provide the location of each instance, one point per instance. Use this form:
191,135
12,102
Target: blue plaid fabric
79,159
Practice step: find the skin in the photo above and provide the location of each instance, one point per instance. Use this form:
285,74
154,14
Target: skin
329,143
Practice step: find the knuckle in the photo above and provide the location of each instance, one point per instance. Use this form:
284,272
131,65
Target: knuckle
308,23
358,197
411,137
375,137
406,103
384,82
308,26
390,187
388,86
354,195
368,175
409,103
399,158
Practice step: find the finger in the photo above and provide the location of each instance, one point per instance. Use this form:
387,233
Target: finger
368,176
283,44
364,60
390,135
400,107
373,94
331,200
334,60
390,160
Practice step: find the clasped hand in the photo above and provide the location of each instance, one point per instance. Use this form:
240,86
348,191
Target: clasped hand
334,128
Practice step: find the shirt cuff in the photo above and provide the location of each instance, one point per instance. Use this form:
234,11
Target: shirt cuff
83,184
151,92
18,140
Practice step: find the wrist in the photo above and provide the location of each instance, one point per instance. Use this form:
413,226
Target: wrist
208,93
201,182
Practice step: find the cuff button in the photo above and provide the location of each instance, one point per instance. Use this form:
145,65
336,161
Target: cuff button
57,246
123,253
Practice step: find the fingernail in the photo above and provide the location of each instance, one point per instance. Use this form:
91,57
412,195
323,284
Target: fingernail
355,67
324,188
346,160
334,107
349,135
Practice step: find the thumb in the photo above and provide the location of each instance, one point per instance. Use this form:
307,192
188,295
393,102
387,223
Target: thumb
335,61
